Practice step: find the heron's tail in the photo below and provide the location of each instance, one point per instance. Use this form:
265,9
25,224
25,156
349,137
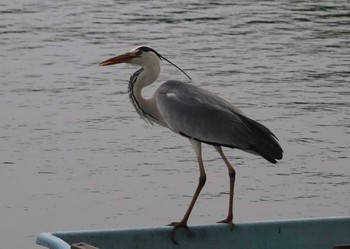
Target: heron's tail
264,142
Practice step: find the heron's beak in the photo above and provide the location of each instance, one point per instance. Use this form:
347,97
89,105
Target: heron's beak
123,58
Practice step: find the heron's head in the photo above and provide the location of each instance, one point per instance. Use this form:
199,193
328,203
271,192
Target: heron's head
140,56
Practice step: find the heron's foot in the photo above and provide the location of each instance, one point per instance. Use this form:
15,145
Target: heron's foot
228,221
176,226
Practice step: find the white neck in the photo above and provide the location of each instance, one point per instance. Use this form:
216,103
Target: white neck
149,74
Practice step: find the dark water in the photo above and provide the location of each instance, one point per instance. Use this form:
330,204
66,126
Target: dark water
75,155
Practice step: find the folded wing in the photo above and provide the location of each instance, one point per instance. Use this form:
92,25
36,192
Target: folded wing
198,114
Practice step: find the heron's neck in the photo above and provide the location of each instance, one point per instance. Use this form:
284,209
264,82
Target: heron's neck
140,79
145,77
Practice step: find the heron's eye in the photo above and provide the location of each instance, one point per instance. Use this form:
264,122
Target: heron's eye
138,53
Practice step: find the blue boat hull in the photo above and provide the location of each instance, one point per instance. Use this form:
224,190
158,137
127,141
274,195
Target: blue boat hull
291,234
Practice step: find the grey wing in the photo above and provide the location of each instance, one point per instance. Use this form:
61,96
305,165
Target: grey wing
199,114
203,116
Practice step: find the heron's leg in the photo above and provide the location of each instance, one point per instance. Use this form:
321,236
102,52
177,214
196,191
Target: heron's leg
202,178
232,175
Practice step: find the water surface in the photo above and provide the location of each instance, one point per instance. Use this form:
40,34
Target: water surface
75,155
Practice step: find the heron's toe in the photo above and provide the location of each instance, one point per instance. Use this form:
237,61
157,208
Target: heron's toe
178,225
227,221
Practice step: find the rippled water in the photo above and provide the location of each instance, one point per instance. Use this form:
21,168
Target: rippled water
75,155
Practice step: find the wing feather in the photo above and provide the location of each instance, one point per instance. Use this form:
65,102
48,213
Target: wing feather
201,115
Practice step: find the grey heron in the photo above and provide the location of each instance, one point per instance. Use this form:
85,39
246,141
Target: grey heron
198,115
